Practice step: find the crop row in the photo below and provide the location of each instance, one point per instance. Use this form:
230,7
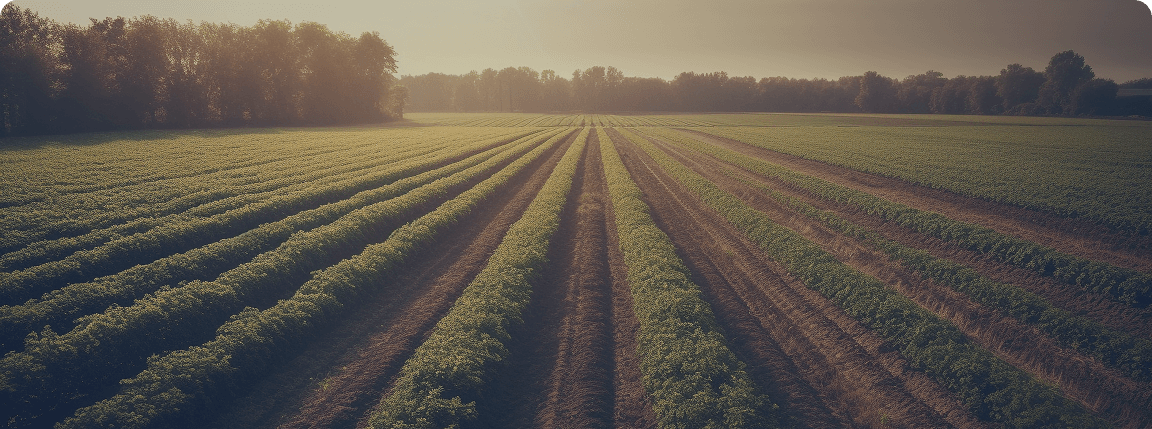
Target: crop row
121,188
437,386
58,307
161,241
96,229
992,389
1091,171
692,376
1120,350
182,383
1121,284
105,345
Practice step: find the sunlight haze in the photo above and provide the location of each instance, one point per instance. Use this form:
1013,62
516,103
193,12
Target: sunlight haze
810,38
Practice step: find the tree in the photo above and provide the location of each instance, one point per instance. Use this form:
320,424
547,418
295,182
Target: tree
1017,85
84,101
877,93
982,98
1095,97
1065,72
26,71
915,92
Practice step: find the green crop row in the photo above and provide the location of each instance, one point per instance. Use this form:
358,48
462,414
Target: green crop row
1125,352
693,378
992,389
116,193
1121,284
59,307
300,174
437,386
183,383
145,247
1094,171
106,345
222,198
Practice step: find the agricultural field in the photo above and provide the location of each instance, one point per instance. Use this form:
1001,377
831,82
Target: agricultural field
525,270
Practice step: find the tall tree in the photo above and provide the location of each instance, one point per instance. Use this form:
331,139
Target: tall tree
1066,71
1017,85
27,68
877,93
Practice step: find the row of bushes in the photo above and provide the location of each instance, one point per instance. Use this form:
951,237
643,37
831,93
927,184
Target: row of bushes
192,232
1124,285
59,307
693,378
184,383
1125,352
92,228
109,345
992,389
438,385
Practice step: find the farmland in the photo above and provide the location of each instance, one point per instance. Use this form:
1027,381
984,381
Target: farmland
568,270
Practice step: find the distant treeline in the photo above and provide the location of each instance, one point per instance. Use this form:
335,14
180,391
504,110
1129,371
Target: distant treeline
148,72
1066,87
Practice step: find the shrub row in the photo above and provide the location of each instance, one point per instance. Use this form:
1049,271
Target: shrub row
438,385
159,242
992,389
1127,353
692,376
59,307
108,345
181,384
1124,285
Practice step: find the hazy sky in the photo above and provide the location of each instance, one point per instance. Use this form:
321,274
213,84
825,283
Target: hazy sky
794,38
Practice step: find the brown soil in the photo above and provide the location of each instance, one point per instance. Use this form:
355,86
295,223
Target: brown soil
822,367
1121,400
338,379
563,365
1078,237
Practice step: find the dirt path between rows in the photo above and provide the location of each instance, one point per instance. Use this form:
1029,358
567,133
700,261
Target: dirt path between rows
822,367
563,370
337,380
1072,236
1105,391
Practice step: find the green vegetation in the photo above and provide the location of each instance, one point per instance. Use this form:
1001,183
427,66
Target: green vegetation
109,344
1124,285
1079,168
992,389
438,385
1127,353
59,307
208,270
183,381
694,379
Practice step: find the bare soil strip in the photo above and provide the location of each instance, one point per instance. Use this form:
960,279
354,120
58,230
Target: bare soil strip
1081,378
821,366
561,370
1077,237
335,382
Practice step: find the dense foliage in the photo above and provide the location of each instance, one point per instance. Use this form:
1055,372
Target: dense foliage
148,72
1017,90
